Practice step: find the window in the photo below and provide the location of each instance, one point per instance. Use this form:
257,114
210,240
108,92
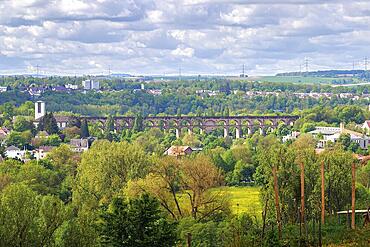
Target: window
38,107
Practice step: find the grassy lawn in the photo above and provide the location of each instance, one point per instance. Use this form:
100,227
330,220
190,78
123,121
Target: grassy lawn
244,199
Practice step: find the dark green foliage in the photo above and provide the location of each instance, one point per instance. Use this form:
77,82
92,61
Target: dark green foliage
109,129
138,124
84,129
135,223
49,124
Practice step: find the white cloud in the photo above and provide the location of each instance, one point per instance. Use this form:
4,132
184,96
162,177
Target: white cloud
200,36
183,51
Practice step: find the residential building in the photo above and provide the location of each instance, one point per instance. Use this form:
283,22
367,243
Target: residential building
90,85
80,145
36,91
13,152
59,89
332,134
179,151
3,89
292,136
42,152
71,86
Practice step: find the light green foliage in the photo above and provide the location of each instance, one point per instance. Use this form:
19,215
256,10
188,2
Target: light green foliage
22,124
7,110
19,139
26,109
151,141
39,178
106,167
27,219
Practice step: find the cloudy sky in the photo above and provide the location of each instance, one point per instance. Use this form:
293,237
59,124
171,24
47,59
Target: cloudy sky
200,36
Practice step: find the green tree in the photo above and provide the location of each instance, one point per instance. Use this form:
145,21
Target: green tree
8,110
49,124
136,223
109,128
21,124
345,141
28,219
105,169
84,129
18,217
19,139
138,123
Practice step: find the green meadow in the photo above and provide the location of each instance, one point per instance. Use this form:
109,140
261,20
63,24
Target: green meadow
244,199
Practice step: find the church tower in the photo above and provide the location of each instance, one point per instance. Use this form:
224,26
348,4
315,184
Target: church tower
39,109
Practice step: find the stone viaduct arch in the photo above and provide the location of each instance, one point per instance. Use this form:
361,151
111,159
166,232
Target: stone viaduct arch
206,123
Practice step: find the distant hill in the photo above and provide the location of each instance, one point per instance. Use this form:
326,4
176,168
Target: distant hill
329,73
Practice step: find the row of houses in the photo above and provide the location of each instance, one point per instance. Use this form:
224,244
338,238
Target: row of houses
76,145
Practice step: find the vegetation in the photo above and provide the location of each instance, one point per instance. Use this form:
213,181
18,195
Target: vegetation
124,191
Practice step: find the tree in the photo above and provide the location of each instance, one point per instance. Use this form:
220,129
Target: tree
138,222
18,220
53,140
345,140
84,129
199,175
27,219
49,124
105,169
164,183
7,110
138,123
109,128
19,139
21,124
351,113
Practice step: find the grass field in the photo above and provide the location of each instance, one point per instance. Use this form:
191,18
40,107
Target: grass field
244,199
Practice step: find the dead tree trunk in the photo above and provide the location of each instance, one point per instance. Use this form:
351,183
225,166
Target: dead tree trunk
322,193
302,195
353,223
277,206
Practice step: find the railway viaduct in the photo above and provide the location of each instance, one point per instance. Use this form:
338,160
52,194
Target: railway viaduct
204,123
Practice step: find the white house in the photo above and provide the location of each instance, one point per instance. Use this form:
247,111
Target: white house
332,134
179,151
79,145
71,86
42,152
14,153
294,135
